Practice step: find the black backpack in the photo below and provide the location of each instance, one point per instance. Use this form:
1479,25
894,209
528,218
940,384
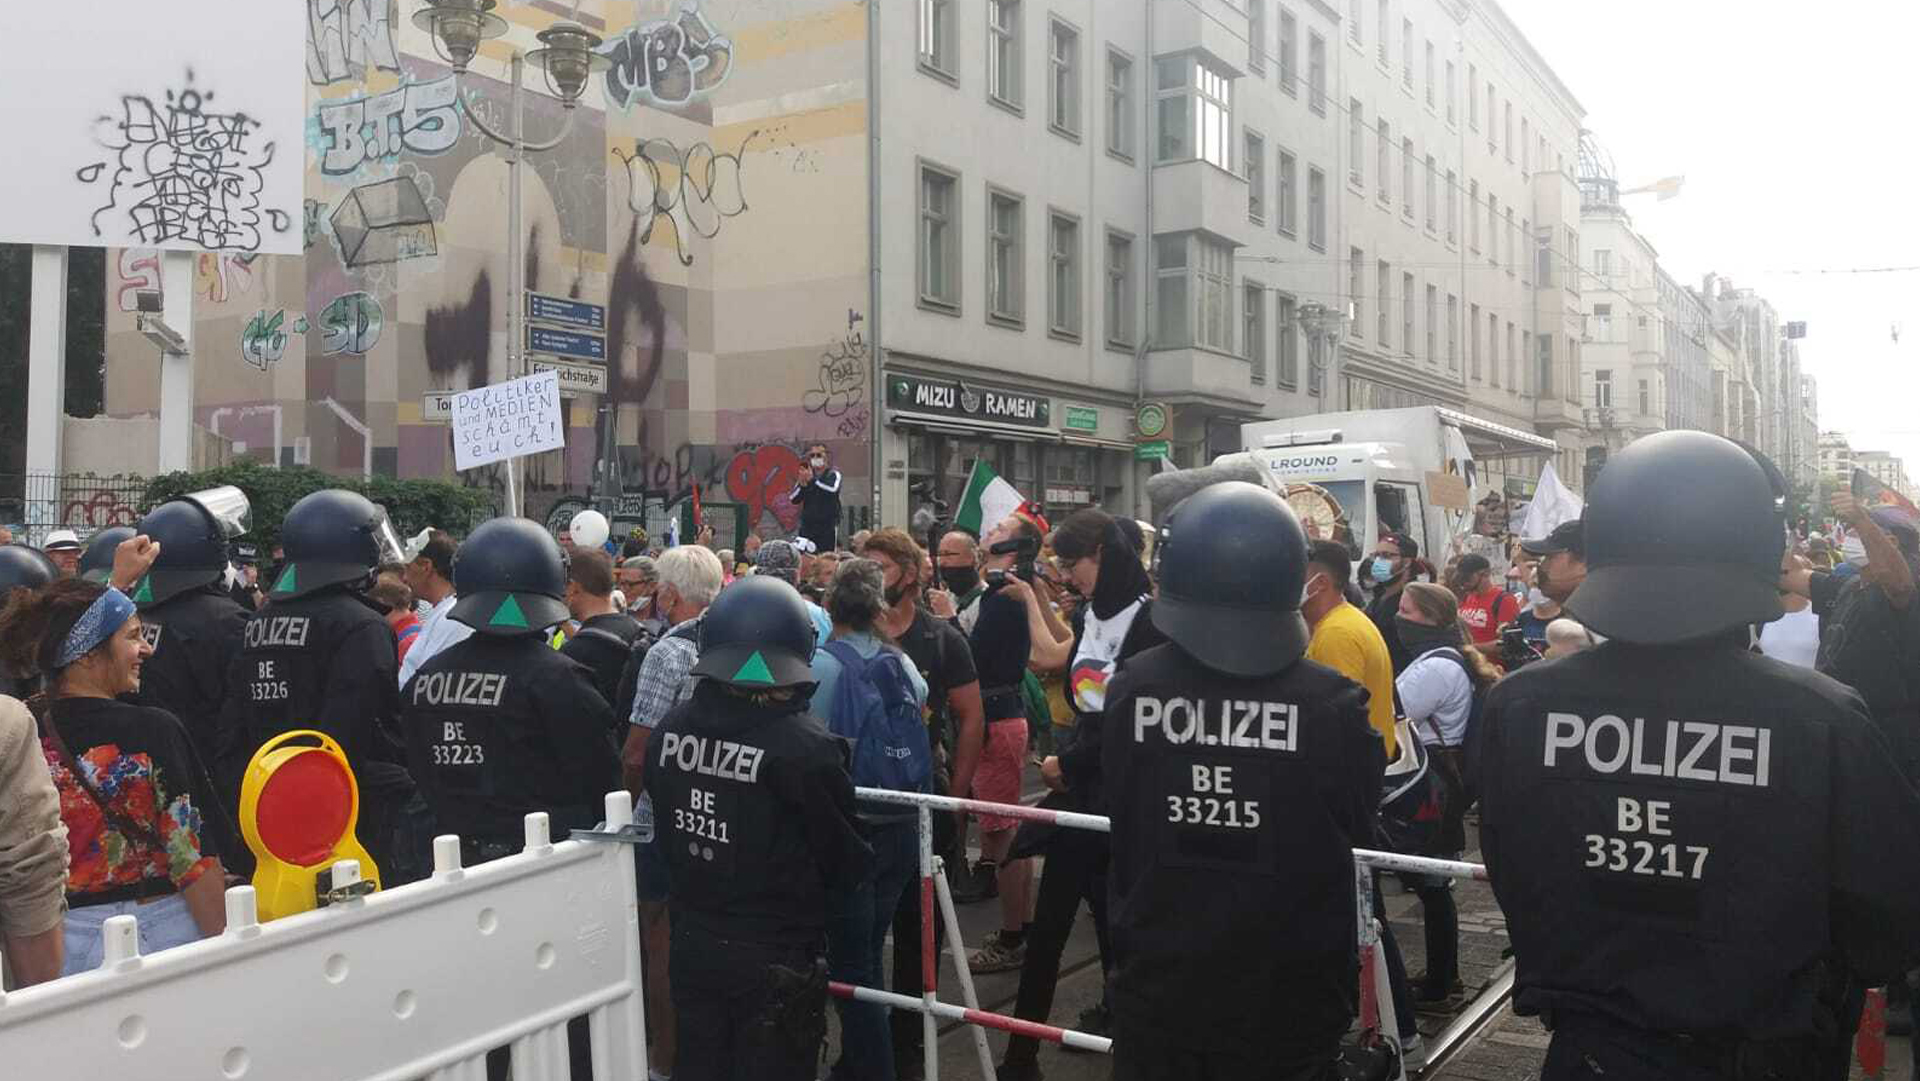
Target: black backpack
630,672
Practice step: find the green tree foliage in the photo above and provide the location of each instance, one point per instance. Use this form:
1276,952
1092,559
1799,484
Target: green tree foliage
412,504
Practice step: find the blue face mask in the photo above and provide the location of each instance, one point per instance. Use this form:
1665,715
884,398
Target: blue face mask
1382,569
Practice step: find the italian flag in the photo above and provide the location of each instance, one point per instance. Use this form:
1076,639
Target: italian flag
987,501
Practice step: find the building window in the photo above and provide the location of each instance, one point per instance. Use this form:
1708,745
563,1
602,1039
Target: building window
1256,168
1063,89
1473,341
1195,112
1646,399
1602,263
1513,362
1432,74
1453,333
1063,279
1507,129
1006,255
1523,253
1473,97
1317,73
1356,280
1353,20
1316,209
1289,44
1214,283
1526,148
1120,308
939,247
1253,329
1406,314
1493,350
1406,53
1356,142
1543,378
1603,388
1432,194
1543,271
1453,100
1603,322
1256,35
1433,325
1119,105
936,36
1287,212
1406,178
1383,163
1493,142
1003,51
1493,229
1383,304
1288,342
1473,215
1173,301
1513,246
1453,208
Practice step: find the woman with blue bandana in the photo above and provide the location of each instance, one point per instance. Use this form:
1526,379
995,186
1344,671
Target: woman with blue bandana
133,795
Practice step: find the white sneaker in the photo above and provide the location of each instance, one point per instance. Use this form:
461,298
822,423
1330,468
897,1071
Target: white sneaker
1413,1053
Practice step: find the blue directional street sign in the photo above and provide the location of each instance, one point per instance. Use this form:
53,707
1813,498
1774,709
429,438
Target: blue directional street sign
566,343
562,311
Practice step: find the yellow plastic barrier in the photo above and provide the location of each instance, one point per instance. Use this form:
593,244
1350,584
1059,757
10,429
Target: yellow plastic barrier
299,804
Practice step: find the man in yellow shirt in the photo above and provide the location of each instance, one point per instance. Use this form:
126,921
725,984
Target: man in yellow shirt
1344,639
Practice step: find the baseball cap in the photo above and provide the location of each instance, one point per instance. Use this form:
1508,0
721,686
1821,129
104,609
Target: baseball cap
61,540
1566,537
779,559
1472,564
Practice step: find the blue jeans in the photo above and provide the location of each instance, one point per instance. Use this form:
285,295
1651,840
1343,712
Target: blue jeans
164,924
857,922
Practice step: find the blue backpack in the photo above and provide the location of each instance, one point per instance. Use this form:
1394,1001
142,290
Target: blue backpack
875,710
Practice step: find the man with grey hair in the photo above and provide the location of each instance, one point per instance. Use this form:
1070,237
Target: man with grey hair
637,577
690,578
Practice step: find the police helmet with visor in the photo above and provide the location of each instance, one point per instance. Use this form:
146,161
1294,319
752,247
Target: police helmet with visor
193,533
333,537
96,563
511,578
1233,563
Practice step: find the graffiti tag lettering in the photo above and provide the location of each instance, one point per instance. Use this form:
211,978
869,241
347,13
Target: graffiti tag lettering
190,173
843,374
668,61
763,478
694,193
139,270
421,117
264,341
387,221
347,37
351,324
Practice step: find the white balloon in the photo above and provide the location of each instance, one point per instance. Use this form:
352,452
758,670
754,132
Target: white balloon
589,529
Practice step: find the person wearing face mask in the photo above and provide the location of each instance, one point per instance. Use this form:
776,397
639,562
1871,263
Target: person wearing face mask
1437,690
134,795
1562,556
818,497
958,565
1396,560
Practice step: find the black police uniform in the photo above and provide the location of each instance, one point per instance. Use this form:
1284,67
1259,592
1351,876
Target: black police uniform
1239,777
1701,852
22,567
497,728
603,643
195,636
755,817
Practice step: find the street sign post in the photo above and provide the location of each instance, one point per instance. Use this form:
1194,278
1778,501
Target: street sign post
564,312
575,379
437,405
566,344
1147,452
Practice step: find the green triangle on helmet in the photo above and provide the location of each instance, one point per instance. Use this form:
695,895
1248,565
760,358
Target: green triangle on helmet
144,595
509,614
755,670
289,580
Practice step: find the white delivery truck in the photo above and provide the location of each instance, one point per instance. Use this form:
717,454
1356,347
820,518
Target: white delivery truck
1421,471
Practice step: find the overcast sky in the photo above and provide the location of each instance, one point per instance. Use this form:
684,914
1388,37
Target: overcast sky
1793,129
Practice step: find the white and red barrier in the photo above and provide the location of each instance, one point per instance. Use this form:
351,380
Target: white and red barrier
415,982
1376,1005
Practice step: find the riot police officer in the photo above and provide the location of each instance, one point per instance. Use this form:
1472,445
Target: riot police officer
319,656
756,820
22,567
500,724
192,624
96,563
1240,777
1698,849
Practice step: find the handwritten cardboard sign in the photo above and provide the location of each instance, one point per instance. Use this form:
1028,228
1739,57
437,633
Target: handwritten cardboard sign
507,420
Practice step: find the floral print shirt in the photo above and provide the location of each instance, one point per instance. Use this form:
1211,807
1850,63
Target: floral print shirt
138,759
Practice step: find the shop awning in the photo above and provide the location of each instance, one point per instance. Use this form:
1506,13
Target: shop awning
1079,439
972,427
1490,440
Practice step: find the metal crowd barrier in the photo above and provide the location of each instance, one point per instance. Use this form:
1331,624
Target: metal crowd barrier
1377,1020
420,981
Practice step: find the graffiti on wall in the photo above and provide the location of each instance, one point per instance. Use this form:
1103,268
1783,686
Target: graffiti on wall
759,476
388,221
217,276
352,323
184,171
420,117
458,336
764,478
264,339
667,61
139,273
694,192
347,38
841,384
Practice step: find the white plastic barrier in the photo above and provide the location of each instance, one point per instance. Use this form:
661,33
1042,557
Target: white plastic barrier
415,982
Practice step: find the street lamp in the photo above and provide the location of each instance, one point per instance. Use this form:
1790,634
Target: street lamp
568,59
1326,327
